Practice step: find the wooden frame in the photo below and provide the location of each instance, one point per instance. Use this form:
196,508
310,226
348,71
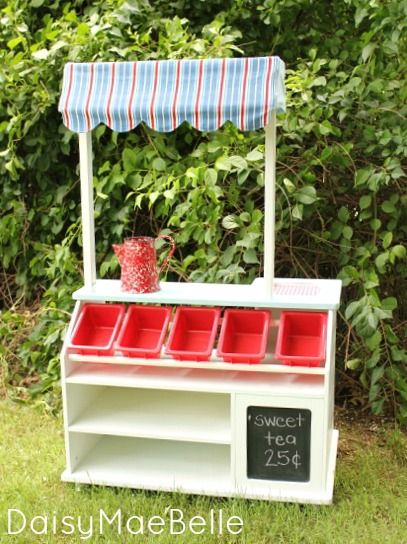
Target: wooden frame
88,222
88,214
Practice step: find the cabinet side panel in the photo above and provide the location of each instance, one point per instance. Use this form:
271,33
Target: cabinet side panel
65,369
80,397
80,445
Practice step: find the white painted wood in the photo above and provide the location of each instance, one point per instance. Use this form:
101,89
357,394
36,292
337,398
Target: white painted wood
288,293
153,407
278,385
269,204
166,362
331,440
65,369
332,452
168,415
247,485
233,441
329,392
100,462
80,446
78,400
156,464
88,223
102,476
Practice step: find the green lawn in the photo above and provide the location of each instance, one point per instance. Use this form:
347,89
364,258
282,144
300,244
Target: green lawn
370,500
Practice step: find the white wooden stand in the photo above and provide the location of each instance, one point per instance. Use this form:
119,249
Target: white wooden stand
181,425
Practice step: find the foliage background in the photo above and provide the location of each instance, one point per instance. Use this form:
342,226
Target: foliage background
341,199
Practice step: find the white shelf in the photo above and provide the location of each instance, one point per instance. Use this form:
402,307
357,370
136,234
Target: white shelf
288,293
169,415
95,469
147,464
184,379
214,364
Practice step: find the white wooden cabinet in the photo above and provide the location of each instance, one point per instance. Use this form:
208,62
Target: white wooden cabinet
181,425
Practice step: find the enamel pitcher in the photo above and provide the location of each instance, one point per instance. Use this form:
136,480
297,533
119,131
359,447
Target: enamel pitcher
138,260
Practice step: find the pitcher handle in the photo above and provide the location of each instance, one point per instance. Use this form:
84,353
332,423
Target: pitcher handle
171,251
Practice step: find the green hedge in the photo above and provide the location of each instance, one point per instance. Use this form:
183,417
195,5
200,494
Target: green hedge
341,196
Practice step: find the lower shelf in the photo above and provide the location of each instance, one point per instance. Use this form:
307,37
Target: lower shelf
155,464
196,469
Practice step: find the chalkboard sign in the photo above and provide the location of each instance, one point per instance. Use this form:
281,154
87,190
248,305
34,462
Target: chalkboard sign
278,443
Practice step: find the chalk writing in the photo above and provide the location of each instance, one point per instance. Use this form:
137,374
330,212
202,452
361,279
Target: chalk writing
278,443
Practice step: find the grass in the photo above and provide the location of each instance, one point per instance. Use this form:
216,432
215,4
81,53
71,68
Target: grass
370,500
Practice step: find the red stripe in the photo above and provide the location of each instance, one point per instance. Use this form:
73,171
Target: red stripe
87,115
174,103
198,94
109,100
155,85
221,88
132,91
266,99
68,95
244,92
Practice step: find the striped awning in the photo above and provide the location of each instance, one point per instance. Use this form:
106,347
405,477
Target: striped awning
164,94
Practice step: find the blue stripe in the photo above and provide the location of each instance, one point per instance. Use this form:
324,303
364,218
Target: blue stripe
165,95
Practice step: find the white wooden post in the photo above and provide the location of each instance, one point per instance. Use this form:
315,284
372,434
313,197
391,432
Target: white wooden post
269,203
88,222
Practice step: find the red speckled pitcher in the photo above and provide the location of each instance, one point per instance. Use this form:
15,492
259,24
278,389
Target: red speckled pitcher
138,260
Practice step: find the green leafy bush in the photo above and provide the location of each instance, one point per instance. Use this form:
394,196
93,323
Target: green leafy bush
341,195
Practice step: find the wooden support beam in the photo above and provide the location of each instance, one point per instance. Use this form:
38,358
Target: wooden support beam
88,222
269,203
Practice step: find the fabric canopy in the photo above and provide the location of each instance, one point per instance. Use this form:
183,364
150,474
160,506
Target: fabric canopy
164,94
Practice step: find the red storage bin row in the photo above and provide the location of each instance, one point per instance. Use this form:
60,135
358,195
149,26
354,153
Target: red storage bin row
101,329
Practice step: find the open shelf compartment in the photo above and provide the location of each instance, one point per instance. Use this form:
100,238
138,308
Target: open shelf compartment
154,413
145,463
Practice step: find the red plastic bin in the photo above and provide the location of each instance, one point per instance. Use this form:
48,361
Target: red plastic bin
193,333
301,338
243,336
96,329
143,331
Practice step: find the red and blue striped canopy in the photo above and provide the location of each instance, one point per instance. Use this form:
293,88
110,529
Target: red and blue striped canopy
164,94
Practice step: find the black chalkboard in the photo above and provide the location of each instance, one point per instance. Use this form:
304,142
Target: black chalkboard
278,443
